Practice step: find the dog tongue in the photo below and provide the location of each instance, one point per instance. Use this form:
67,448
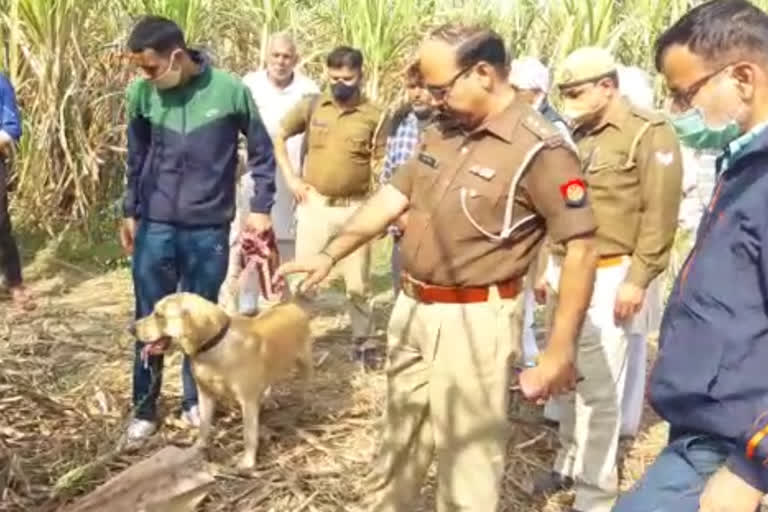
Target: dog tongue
156,347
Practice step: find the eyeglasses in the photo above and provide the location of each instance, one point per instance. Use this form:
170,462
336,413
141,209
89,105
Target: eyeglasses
684,99
441,91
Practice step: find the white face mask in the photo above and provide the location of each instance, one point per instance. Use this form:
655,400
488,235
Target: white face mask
169,78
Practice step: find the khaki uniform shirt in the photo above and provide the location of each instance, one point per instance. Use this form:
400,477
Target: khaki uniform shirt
634,171
343,145
442,246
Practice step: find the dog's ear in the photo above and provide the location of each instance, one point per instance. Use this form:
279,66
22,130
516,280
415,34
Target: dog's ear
218,317
205,321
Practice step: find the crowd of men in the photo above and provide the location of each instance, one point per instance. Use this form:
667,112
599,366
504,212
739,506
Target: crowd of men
495,201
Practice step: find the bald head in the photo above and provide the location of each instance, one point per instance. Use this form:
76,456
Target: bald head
465,70
281,59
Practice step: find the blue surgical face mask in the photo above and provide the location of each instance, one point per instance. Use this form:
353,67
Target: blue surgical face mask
694,132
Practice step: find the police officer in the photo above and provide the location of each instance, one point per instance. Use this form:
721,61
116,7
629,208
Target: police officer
345,141
633,172
485,185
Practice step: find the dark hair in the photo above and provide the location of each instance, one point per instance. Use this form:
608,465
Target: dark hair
156,33
413,73
718,30
345,57
474,44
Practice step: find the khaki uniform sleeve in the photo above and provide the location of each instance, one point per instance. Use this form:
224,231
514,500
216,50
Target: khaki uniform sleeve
295,121
661,175
379,146
551,170
402,179
379,143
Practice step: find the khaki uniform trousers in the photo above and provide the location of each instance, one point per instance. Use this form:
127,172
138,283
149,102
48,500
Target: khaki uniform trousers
317,224
590,418
447,395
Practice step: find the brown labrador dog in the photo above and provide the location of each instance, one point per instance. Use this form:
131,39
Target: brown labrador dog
233,356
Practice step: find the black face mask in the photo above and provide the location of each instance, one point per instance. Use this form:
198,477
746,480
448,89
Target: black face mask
422,113
343,92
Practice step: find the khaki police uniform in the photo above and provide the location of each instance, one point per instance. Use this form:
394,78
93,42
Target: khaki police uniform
342,149
480,204
633,170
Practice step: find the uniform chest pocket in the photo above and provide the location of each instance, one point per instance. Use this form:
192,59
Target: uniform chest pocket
318,135
478,202
358,144
613,178
612,163
482,187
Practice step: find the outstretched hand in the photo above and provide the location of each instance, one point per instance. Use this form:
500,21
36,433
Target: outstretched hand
317,268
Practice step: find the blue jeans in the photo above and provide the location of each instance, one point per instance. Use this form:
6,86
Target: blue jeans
675,481
167,259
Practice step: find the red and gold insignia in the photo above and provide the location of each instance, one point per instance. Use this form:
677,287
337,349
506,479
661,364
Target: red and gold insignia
574,192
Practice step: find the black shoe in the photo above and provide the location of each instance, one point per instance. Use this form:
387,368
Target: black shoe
551,483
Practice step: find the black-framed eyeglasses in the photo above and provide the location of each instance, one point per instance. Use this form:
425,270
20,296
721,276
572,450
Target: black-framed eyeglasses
684,99
441,91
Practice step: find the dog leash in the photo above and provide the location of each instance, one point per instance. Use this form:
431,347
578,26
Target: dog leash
259,253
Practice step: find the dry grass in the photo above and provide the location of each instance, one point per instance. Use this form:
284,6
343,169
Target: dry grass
64,400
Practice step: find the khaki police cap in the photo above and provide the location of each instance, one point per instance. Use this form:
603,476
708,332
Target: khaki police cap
585,65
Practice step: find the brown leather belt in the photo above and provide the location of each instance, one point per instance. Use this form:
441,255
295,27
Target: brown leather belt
610,261
428,293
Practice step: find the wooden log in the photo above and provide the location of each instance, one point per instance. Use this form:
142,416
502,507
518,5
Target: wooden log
172,480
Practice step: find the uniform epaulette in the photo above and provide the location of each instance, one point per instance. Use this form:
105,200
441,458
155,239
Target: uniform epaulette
655,117
543,129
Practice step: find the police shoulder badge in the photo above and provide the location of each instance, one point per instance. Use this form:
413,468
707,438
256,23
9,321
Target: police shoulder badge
574,192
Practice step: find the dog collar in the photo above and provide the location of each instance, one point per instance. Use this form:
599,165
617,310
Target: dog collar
208,345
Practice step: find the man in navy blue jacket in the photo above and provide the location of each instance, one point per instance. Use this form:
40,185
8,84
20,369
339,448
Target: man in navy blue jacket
10,133
710,381
184,120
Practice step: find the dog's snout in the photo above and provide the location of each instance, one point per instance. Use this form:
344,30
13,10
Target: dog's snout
132,329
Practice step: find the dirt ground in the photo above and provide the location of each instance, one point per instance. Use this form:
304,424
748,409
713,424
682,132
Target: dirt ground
65,393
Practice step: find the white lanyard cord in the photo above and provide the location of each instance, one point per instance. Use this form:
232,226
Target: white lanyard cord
507,228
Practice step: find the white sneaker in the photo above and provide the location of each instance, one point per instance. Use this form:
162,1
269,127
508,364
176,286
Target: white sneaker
192,416
139,430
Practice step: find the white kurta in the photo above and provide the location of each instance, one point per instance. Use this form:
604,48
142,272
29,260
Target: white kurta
274,103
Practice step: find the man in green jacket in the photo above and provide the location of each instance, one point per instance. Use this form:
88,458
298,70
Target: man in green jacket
184,120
